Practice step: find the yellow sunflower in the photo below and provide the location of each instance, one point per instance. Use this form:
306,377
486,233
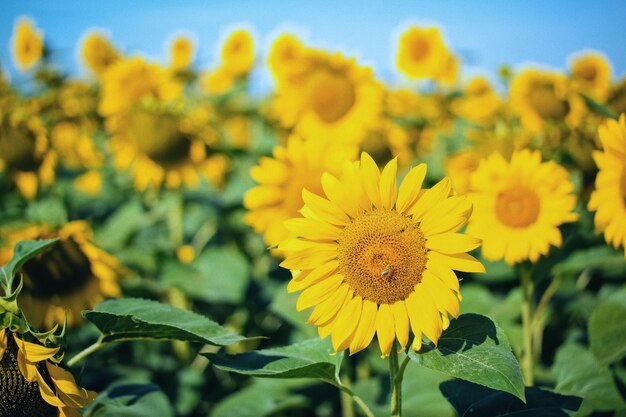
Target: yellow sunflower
32,385
374,259
519,206
75,146
281,179
421,52
617,97
98,53
218,81
238,53
27,44
181,53
71,277
479,102
449,71
591,74
287,58
335,99
608,199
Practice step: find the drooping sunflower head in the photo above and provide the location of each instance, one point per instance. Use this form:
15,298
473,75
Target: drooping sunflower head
182,52
421,52
591,74
98,53
519,206
608,199
72,276
281,178
374,259
238,53
26,43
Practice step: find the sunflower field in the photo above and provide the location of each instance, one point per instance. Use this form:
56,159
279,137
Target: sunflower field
176,244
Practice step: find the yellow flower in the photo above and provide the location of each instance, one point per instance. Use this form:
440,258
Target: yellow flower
421,52
519,205
375,259
449,70
287,58
218,81
479,102
335,99
98,53
71,277
33,384
617,97
281,179
27,44
181,53
608,199
75,146
237,132
89,183
591,74
238,53
185,254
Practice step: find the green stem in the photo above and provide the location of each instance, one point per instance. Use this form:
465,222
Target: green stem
86,352
357,400
527,323
395,379
347,407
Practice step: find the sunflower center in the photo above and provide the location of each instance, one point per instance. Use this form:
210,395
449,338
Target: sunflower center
18,397
159,138
544,100
588,72
332,96
17,149
58,271
382,255
517,207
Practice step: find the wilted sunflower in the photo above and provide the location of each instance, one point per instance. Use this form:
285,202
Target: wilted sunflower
26,44
519,205
71,277
421,52
238,53
181,53
31,385
98,53
373,259
591,74
608,199
281,179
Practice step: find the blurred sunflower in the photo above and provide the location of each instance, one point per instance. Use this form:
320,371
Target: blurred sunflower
181,53
591,74
98,53
617,97
26,44
71,277
479,102
74,144
217,81
449,71
335,99
519,205
421,52
287,58
608,199
541,97
281,179
373,259
238,53
31,385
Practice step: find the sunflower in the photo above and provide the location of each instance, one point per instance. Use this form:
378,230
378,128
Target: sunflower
617,97
98,53
519,205
31,385
217,81
335,98
374,259
27,44
238,53
181,53
72,276
281,179
479,102
287,58
449,71
591,74
74,144
608,199
421,52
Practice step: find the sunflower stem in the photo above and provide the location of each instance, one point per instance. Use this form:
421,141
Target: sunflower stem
86,352
527,323
357,400
395,378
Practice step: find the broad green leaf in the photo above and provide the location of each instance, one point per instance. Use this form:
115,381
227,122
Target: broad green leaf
310,359
607,328
135,318
475,349
579,373
131,401
219,275
50,211
22,252
472,400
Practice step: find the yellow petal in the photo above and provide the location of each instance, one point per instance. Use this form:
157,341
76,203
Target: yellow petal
385,329
452,243
3,342
318,292
430,198
66,387
444,273
401,318
370,179
312,277
337,193
410,188
324,210
458,262
388,186
346,323
33,352
327,309
312,229
429,317
366,328
442,296
310,259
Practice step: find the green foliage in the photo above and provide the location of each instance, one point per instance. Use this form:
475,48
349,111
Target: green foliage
607,328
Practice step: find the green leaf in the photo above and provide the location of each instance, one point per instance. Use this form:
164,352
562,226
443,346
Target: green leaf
472,400
135,318
598,108
22,252
475,349
579,373
131,401
50,211
603,258
121,226
310,359
607,328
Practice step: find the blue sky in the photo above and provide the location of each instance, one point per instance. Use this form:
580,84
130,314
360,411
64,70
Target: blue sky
486,34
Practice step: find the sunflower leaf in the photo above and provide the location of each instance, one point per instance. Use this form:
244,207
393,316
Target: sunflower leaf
607,328
309,359
475,349
22,252
135,318
598,108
